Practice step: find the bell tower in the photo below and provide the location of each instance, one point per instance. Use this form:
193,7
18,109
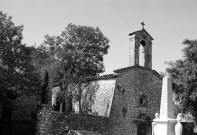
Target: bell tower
140,48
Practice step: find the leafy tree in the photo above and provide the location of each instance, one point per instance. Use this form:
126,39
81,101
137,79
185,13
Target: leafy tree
80,51
84,94
88,97
17,71
184,74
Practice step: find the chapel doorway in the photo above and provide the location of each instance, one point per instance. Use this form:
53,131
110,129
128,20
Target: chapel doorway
141,129
144,129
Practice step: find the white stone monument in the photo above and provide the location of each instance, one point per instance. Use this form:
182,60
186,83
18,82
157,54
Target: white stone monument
165,124
178,126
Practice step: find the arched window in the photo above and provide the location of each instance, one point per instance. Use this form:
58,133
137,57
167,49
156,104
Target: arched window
142,53
142,100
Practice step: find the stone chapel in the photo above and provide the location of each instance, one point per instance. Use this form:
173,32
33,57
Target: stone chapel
138,89
131,96
134,91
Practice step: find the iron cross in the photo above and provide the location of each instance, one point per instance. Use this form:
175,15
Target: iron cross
142,25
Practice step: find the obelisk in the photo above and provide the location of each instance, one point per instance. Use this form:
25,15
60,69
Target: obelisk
165,124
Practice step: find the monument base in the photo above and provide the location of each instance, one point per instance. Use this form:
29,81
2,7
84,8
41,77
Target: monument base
164,126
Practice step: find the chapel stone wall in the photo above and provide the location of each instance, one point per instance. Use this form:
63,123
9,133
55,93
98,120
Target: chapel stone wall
133,82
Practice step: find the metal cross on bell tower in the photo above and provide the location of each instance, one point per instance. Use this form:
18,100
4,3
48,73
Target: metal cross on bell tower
142,23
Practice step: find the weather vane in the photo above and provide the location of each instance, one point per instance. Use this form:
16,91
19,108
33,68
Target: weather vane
142,25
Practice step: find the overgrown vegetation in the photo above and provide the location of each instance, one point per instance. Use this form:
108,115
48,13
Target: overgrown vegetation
69,59
77,55
184,74
17,73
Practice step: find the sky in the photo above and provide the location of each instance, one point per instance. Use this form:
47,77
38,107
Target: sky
169,22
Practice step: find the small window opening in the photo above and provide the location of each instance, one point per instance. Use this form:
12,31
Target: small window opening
143,43
142,53
142,100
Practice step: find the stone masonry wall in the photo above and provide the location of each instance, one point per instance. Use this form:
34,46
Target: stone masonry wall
125,107
77,122
43,123
50,122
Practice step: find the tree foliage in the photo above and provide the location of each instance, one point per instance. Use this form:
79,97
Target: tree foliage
17,71
79,50
184,74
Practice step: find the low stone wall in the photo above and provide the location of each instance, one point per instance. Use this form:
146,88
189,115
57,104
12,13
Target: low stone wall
53,123
77,122
43,123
